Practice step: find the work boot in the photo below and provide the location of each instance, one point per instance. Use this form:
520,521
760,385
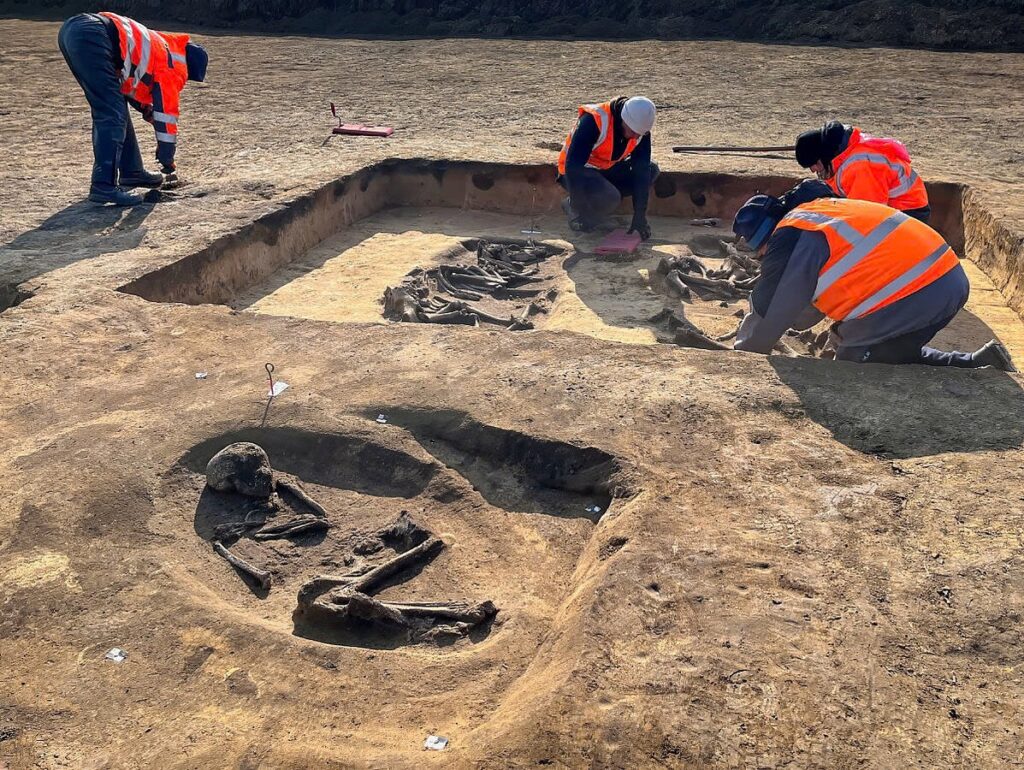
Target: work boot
575,221
118,196
142,178
993,353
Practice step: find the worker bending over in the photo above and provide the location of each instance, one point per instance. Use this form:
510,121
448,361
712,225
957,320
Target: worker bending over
863,167
607,157
889,280
118,61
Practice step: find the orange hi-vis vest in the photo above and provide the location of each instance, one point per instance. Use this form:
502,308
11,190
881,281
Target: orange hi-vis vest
877,257
601,155
154,71
877,169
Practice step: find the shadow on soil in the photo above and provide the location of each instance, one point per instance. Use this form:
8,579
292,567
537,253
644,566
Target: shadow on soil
370,636
515,471
83,230
327,459
908,411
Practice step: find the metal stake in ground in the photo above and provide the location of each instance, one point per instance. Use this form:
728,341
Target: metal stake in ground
533,213
274,389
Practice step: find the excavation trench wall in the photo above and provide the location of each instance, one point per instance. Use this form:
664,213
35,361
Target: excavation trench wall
251,254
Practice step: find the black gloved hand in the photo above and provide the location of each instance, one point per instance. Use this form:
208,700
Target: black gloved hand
147,113
639,225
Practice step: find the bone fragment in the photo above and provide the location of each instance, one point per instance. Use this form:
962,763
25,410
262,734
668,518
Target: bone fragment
261,576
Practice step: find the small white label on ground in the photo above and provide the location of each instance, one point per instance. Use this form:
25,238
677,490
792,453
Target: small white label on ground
435,743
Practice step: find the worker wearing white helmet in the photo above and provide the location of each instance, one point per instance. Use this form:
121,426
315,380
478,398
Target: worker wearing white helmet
607,157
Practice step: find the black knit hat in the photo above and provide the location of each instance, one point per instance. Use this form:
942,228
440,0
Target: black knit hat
821,144
833,137
808,148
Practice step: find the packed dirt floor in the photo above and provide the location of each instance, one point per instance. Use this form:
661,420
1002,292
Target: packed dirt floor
699,559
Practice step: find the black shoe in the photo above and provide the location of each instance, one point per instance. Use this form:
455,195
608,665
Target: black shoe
118,196
994,354
142,178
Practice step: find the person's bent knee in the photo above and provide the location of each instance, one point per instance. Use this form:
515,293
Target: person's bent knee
655,170
605,201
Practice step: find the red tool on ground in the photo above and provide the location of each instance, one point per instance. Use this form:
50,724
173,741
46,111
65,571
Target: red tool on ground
356,129
618,242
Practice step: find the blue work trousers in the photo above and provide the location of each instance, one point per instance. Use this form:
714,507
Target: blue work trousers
599,193
910,348
90,54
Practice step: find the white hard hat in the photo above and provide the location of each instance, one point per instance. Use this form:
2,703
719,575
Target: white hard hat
638,113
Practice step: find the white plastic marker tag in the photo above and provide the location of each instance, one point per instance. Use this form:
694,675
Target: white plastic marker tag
279,388
202,375
116,654
435,743
381,419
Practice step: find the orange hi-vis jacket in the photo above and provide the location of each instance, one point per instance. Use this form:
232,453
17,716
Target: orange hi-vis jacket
877,169
153,74
601,155
877,255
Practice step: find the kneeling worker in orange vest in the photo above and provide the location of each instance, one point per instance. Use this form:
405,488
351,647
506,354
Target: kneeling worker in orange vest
117,62
889,280
607,157
863,167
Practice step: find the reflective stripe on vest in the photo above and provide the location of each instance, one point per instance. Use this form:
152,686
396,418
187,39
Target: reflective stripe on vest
603,120
860,247
894,286
132,71
601,155
877,255
129,42
903,186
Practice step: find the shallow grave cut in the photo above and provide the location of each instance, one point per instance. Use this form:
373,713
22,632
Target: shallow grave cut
371,247
420,531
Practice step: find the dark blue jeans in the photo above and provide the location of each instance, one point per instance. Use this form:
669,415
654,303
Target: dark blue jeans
908,348
89,52
924,213
599,193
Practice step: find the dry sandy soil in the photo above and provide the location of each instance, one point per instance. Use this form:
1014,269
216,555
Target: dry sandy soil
798,564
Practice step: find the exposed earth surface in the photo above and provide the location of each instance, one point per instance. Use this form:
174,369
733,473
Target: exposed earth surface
698,558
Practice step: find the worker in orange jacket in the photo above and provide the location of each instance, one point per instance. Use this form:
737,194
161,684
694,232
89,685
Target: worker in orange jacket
607,157
117,61
863,167
889,280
